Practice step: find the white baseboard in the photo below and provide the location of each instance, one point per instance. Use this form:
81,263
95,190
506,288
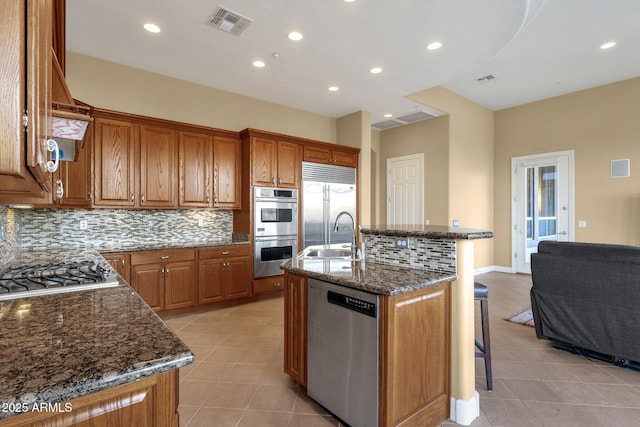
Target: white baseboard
464,412
492,268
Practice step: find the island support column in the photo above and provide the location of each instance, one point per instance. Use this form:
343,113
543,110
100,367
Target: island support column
465,400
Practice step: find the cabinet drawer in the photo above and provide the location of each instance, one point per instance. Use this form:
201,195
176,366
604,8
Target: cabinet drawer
223,251
268,284
148,257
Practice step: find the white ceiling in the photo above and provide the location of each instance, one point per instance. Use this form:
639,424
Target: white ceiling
535,48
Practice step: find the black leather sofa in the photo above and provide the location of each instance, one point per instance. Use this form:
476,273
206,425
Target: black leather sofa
586,297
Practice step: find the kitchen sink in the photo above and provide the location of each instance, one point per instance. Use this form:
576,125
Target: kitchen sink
328,253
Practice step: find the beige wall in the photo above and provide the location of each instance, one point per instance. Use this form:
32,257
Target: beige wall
600,124
431,138
470,162
117,87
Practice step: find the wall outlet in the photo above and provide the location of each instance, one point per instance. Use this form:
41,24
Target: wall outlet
83,224
402,242
200,222
150,223
456,223
582,224
426,222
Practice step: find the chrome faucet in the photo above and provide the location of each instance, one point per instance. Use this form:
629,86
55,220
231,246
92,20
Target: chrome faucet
354,244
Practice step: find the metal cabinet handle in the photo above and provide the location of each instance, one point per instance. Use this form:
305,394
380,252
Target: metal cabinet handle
123,262
142,198
166,271
277,285
60,189
162,271
89,195
164,257
273,180
208,200
279,180
132,199
225,252
52,145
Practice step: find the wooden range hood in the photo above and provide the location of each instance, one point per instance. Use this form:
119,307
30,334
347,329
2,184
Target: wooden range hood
69,121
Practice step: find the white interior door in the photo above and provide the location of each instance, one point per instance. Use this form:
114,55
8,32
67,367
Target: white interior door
543,208
405,192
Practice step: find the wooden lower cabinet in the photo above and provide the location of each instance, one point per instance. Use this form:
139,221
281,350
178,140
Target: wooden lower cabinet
166,280
151,401
295,327
415,351
224,273
415,354
120,263
267,285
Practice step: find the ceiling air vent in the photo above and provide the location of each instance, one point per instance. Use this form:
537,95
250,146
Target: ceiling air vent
412,117
229,21
485,79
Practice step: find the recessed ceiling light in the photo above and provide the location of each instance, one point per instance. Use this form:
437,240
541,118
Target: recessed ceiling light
388,115
258,64
333,88
295,36
375,70
607,45
152,28
349,1
434,46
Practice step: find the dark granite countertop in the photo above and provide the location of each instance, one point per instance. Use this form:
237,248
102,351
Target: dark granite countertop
383,279
55,348
189,244
427,231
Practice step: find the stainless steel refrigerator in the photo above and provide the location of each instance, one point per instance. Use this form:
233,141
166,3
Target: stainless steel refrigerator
327,191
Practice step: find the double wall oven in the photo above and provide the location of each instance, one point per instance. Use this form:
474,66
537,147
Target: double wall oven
275,229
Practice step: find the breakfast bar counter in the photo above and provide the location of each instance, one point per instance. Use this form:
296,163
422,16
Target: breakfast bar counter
60,347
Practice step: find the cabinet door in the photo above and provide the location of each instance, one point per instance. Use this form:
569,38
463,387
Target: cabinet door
263,162
238,278
75,180
38,105
158,167
148,281
119,263
195,159
295,327
344,158
114,157
180,285
210,281
317,155
227,161
415,353
288,164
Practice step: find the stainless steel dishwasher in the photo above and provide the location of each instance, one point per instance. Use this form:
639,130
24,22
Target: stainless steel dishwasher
342,353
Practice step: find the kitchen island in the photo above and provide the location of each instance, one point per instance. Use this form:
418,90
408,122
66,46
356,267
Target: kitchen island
92,355
425,286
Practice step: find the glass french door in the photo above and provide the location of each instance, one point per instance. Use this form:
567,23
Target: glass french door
543,203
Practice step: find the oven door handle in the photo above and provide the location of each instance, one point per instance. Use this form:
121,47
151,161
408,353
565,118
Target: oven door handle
277,239
279,201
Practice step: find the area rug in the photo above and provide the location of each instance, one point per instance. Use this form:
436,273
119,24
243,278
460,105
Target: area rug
523,316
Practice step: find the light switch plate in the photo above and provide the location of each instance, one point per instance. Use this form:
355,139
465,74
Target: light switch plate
83,224
582,224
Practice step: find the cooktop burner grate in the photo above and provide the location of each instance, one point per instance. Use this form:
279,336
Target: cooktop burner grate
45,279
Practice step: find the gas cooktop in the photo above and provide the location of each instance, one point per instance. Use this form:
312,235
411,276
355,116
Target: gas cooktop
45,279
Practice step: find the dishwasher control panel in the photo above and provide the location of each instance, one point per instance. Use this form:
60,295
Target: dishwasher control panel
355,304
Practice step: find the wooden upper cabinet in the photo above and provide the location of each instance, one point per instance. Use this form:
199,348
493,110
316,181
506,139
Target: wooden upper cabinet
330,156
74,178
227,173
158,166
25,72
289,166
263,161
114,163
275,163
195,169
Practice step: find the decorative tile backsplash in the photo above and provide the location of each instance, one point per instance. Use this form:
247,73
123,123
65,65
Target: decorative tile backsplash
432,254
119,229
9,241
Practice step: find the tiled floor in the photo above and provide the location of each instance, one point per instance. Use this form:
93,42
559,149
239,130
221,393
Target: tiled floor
237,377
